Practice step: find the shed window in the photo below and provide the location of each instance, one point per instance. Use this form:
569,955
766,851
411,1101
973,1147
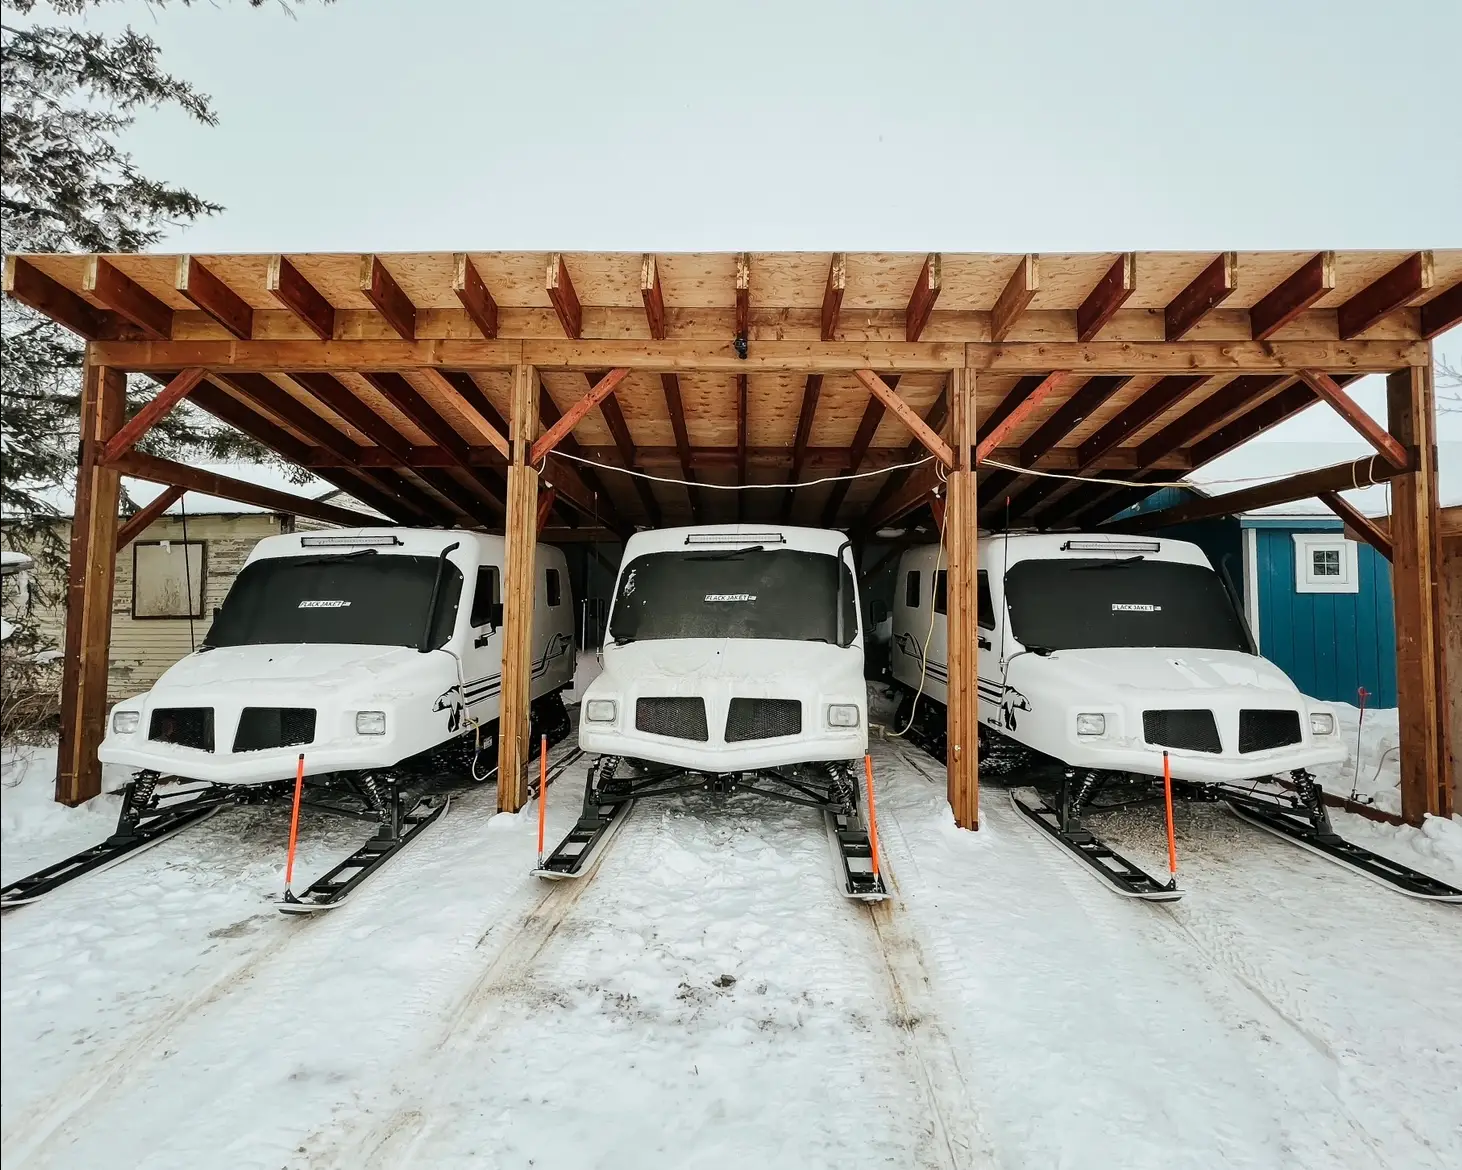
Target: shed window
167,579
911,590
1325,563
555,593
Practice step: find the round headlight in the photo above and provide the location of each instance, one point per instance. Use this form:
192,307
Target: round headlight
1322,723
125,722
601,710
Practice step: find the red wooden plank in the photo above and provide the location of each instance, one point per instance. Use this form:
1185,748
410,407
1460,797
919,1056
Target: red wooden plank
564,299
1379,299
30,286
214,297
467,283
575,414
1442,312
300,297
152,413
921,300
1368,428
1292,296
1209,289
121,293
1136,415
832,295
1110,293
381,289
653,296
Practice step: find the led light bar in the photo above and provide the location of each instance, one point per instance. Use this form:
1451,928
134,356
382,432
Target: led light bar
1123,546
345,541
735,538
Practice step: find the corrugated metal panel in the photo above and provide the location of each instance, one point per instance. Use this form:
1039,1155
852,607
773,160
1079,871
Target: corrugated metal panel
1331,644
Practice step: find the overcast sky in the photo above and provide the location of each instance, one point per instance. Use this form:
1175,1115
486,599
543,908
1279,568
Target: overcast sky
1028,125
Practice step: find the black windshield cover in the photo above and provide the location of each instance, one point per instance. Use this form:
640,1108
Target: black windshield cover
784,594
1079,603
360,601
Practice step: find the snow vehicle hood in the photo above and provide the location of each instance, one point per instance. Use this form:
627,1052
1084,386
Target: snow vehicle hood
1172,669
742,662
233,670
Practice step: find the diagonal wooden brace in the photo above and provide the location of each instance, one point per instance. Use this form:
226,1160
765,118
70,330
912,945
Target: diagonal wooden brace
575,414
153,413
908,416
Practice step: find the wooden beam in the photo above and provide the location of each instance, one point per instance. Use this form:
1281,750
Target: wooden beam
467,283
30,286
390,300
518,595
575,414
961,538
1269,413
906,414
653,295
1109,295
137,523
408,400
603,502
811,391
195,479
214,297
741,424
152,413
1379,299
921,300
1018,413
343,401
1442,312
1209,289
1022,286
1070,414
624,443
91,573
1355,522
1224,403
743,303
1422,684
466,386
545,508
862,439
934,420
1154,401
562,296
1337,478
480,414
1328,390
675,408
1293,296
300,297
832,295
125,296
242,416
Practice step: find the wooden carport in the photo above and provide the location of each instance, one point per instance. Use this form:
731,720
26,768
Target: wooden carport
511,390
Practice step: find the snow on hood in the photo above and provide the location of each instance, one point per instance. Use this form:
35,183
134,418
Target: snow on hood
297,667
1176,669
751,664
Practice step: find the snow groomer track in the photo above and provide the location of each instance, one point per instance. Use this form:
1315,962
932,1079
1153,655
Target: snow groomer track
710,999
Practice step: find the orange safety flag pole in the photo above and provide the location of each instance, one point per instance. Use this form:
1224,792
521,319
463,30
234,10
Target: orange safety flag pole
872,813
294,820
542,792
1167,788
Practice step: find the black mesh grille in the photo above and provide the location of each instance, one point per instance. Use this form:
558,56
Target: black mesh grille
185,726
763,719
680,718
1261,730
274,727
1195,731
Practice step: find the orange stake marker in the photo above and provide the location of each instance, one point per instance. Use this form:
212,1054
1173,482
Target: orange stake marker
294,820
872,813
1167,788
542,792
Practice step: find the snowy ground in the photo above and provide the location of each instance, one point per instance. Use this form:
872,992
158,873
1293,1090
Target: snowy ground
708,1000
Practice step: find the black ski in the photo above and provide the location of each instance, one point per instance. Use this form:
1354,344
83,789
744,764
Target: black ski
850,844
606,807
396,834
146,819
1304,820
1122,875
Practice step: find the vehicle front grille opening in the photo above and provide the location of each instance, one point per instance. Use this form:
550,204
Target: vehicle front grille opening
1194,731
274,727
763,719
1261,730
675,717
190,727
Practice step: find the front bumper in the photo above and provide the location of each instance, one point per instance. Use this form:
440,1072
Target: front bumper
1146,760
719,758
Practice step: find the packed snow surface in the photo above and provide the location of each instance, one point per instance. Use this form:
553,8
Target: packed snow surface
707,999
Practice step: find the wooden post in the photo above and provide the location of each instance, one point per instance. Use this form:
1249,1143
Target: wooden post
1421,668
960,537
89,590
520,574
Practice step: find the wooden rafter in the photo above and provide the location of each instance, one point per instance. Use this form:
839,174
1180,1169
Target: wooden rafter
474,416
214,297
811,391
653,295
934,420
562,296
343,401
832,295
1379,299
614,416
468,285
1330,391
127,298
1030,399
601,389
152,413
743,301
390,300
1070,415
867,427
906,414
1019,291
1363,526
1149,405
1301,289
1109,295
600,503
675,408
300,297
742,422
1442,312
1209,289
471,393
26,283
546,501
138,523
1219,406
921,300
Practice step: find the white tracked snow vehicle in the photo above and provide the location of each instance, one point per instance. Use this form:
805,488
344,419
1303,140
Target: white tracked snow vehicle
1101,658
375,654
733,663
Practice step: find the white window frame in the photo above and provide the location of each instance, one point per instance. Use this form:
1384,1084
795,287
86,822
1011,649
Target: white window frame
1306,544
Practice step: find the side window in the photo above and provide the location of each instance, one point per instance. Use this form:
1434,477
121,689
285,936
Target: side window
941,591
911,590
486,595
555,595
987,606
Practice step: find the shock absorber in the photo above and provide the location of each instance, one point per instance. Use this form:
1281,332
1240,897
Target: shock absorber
140,795
372,792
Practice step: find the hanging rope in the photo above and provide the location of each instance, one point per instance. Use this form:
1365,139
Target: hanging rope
740,487
188,577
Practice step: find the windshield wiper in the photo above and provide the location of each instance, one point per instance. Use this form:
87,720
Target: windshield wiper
729,553
331,558
1108,564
